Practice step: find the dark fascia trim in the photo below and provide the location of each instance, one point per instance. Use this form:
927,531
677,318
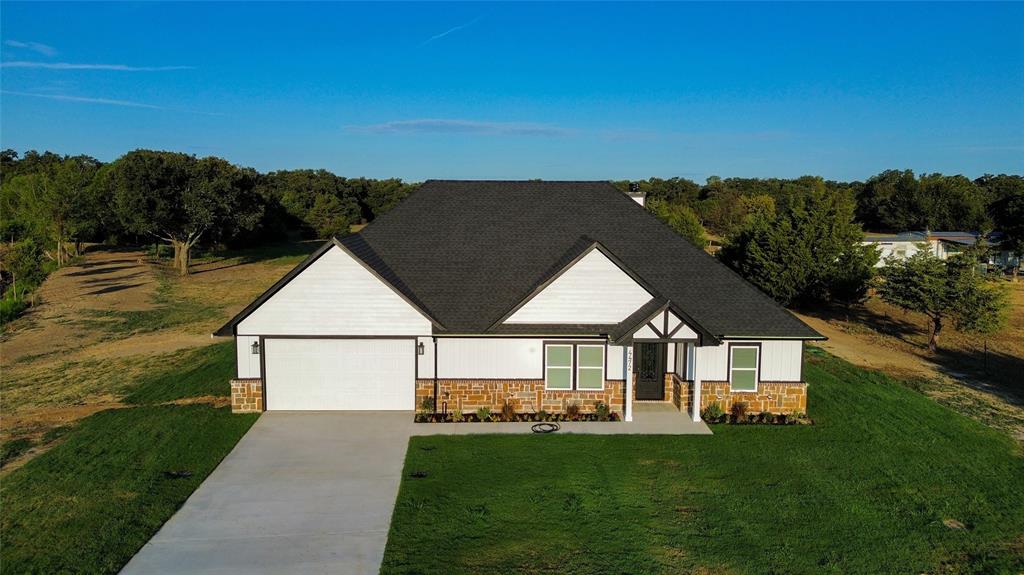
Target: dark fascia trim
705,335
286,336
594,245
228,329
643,322
819,337
397,291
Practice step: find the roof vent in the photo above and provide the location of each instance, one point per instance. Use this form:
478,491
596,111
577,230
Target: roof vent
635,193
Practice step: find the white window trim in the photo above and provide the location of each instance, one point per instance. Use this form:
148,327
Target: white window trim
756,369
576,379
572,375
575,367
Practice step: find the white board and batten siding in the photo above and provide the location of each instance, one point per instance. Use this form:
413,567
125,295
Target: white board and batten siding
781,360
498,358
334,296
248,362
337,296
593,291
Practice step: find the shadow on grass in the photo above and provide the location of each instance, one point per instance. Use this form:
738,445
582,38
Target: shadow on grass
98,271
971,363
285,252
202,372
902,328
991,371
113,288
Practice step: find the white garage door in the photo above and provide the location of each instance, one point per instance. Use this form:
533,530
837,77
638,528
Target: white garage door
349,374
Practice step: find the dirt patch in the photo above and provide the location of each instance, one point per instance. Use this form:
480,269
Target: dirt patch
110,317
977,376
101,280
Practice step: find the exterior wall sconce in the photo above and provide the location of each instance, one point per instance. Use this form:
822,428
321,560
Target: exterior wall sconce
255,348
420,348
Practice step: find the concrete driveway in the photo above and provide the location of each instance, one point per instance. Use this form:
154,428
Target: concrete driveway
300,493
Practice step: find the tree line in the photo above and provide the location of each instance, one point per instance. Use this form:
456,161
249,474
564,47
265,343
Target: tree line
58,202
799,240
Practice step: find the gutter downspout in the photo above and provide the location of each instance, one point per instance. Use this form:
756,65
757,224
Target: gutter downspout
435,373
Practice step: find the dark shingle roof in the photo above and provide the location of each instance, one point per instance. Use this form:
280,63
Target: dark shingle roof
467,252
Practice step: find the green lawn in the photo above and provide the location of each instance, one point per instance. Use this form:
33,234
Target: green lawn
865,490
206,371
89,503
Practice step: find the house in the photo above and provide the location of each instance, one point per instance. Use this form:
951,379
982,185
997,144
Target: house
545,294
940,244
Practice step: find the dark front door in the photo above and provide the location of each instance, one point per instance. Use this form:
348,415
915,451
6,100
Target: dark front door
650,370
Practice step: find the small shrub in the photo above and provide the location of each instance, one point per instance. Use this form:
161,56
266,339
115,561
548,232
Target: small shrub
572,410
712,412
508,411
739,411
484,413
456,415
602,411
767,417
543,415
14,448
427,405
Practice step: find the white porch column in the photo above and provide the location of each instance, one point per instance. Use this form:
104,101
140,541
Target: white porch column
696,387
628,416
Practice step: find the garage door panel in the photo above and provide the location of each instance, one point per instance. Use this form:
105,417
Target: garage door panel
340,374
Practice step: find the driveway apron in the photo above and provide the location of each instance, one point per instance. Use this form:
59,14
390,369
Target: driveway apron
300,493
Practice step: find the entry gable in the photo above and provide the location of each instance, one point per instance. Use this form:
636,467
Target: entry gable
592,289
334,294
663,325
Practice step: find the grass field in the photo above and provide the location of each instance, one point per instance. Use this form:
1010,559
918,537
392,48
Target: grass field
110,387
88,504
865,490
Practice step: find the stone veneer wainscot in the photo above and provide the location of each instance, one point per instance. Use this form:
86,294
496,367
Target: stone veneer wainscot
246,395
526,395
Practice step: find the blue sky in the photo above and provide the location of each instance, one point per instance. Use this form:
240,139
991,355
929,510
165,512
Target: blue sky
554,91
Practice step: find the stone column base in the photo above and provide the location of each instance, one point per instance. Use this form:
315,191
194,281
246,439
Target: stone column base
246,395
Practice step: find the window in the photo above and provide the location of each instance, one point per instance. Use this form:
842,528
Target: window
569,366
558,366
590,367
743,367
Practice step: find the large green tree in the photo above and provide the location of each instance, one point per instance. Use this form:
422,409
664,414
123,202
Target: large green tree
1007,212
182,199
949,290
51,202
680,218
811,251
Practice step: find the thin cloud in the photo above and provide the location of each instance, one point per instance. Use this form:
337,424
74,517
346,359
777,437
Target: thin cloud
84,100
103,101
38,47
450,30
454,126
110,67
